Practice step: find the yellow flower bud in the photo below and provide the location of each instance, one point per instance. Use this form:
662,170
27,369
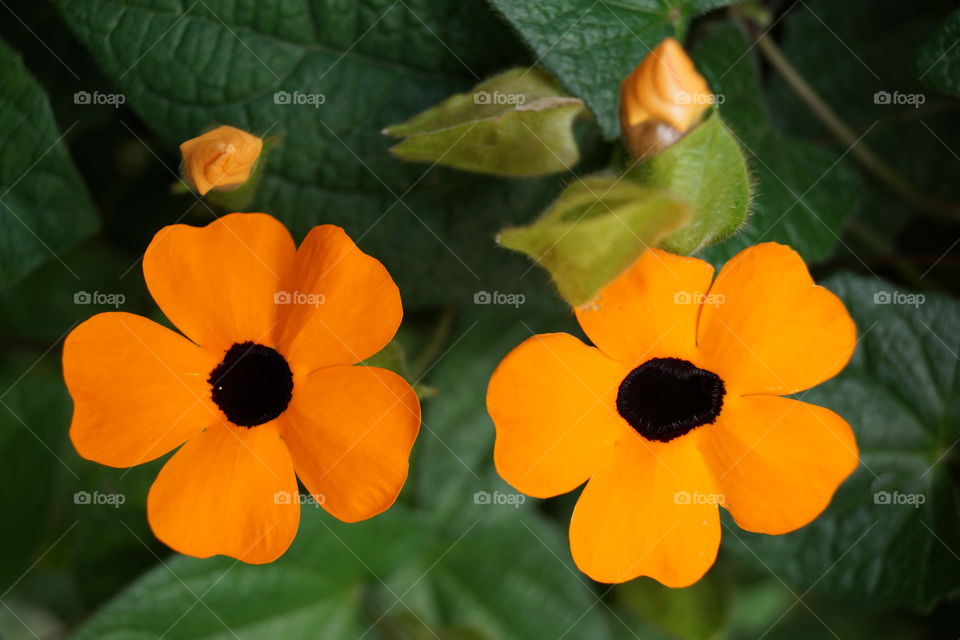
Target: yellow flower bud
661,99
220,159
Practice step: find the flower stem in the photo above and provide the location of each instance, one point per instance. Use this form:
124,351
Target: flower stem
438,339
872,240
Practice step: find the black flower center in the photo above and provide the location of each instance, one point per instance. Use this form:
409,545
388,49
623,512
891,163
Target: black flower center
252,385
664,398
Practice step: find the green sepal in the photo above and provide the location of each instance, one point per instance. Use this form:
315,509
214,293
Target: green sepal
240,197
706,168
596,229
517,123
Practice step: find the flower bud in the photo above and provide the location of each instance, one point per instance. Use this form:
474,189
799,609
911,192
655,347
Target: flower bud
220,159
661,99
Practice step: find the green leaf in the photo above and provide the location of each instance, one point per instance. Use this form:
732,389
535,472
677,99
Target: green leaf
88,550
697,612
185,67
102,279
344,581
44,205
861,49
706,169
938,61
592,45
596,229
315,586
863,54
517,123
803,193
31,408
509,567
891,536
769,608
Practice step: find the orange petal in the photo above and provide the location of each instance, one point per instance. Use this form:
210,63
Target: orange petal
138,389
553,402
340,304
650,310
350,431
218,283
650,512
777,461
772,329
229,491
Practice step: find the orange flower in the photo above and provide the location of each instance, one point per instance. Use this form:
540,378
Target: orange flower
677,411
220,159
259,387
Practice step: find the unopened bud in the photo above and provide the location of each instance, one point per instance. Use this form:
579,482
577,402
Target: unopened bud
220,159
661,100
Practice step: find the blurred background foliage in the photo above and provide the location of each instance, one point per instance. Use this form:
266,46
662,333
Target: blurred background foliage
85,186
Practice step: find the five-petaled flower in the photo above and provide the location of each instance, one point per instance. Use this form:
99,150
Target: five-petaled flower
678,409
260,388
220,159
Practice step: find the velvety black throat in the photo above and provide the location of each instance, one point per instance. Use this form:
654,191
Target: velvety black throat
664,398
252,385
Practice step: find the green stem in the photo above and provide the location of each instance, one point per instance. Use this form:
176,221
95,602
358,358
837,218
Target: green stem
439,337
876,242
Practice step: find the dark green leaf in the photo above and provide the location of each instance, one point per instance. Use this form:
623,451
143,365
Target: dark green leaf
186,67
862,49
89,548
891,536
102,280
803,192
864,65
939,60
346,581
44,206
